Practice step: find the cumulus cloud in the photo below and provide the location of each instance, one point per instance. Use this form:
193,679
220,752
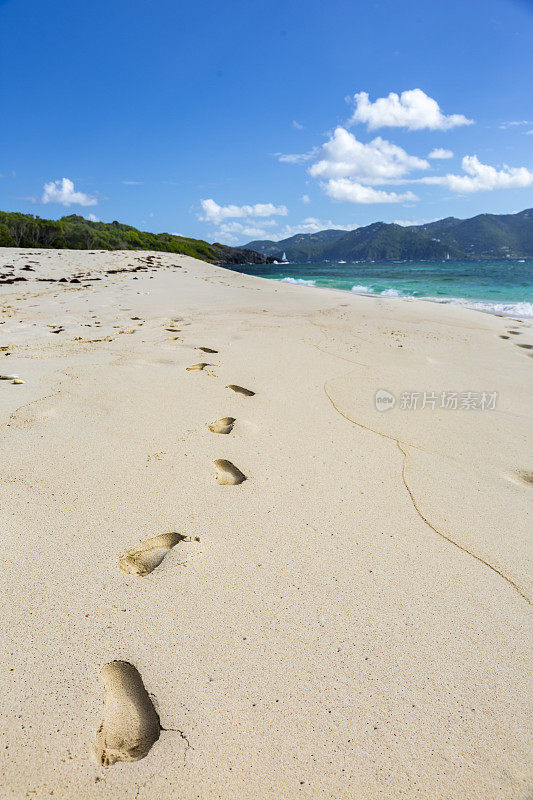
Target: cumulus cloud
353,192
481,177
413,109
440,152
92,218
379,161
306,199
238,232
348,168
308,225
311,225
213,212
63,192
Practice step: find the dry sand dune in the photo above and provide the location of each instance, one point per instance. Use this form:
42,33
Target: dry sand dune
348,618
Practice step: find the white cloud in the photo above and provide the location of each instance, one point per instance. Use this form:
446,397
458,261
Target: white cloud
63,192
440,152
297,125
405,223
413,109
213,212
306,199
377,162
481,177
92,218
514,123
529,133
133,183
353,192
311,225
237,232
347,168
297,158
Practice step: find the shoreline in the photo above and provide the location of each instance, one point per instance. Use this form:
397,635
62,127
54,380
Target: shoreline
350,620
456,302
512,308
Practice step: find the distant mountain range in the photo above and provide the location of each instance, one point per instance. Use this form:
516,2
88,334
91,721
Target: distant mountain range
484,236
77,233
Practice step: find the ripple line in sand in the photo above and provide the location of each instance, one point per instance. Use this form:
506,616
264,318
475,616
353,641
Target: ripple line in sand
415,504
452,541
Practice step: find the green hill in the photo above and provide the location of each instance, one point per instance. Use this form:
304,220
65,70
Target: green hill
486,235
483,236
301,246
382,242
77,233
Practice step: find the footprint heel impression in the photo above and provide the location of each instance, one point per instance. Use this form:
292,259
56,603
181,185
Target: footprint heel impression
224,425
227,473
240,390
130,725
200,366
146,556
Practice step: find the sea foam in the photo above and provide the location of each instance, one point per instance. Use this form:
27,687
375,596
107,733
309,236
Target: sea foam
298,281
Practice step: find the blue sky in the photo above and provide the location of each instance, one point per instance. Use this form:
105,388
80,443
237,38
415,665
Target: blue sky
260,118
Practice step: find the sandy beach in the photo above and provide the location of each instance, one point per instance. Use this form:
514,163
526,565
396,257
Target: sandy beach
345,616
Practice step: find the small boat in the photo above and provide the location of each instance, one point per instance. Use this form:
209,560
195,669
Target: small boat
341,262
284,259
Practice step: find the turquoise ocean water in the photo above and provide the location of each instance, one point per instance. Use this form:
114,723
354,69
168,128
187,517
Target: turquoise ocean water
503,287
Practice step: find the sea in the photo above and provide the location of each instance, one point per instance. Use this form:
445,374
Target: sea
494,286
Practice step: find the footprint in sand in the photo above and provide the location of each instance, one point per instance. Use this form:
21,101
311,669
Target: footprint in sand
522,476
13,378
503,337
227,473
240,390
207,350
146,556
224,425
202,365
131,725
514,332
525,346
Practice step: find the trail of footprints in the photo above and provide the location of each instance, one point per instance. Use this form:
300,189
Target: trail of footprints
130,724
12,378
514,331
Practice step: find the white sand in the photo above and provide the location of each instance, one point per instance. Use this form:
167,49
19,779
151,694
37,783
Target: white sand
352,624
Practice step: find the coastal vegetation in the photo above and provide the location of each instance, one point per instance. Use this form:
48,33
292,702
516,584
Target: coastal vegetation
77,233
